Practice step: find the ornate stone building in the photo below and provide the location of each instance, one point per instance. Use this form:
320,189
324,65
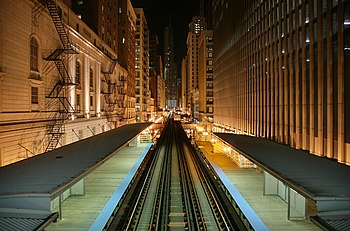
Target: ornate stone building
58,79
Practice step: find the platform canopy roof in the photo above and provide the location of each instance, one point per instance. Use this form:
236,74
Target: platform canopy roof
320,179
55,171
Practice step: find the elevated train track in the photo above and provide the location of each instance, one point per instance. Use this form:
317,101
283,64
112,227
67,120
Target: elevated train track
175,189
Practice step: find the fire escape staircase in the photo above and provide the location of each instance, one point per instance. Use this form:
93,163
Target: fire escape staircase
110,93
121,97
57,98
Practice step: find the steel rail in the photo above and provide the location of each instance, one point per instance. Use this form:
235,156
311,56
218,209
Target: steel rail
216,190
159,191
193,210
175,168
124,219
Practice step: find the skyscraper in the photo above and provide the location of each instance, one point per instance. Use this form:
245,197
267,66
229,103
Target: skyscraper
126,51
101,17
205,76
281,72
155,71
170,72
196,26
142,92
109,19
205,10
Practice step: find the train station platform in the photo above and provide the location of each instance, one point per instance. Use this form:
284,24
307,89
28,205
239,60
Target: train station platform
249,182
81,212
299,178
34,192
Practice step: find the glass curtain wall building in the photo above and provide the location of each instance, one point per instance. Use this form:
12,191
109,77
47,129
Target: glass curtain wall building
281,70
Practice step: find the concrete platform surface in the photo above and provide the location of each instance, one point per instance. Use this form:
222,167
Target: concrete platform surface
79,212
249,182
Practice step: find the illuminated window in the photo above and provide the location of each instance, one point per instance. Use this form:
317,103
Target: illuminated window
210,85
91,102
210,110
77,72
33,54
91,78
210,93
77,103
34,95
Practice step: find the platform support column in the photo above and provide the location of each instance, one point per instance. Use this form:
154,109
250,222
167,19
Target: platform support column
296,205
270,184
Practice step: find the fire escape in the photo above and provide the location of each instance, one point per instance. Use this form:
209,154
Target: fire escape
121,98
109,93
58,103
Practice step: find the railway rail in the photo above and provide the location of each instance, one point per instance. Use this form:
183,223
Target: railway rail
175,189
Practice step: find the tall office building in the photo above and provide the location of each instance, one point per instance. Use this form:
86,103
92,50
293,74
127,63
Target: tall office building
155,71
142,92
153,53
109,19
281,72
183,95
101,17
126,53
205,76
170,72
196,26
206,11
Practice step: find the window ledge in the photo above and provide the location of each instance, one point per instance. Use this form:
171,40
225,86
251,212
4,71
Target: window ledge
35,77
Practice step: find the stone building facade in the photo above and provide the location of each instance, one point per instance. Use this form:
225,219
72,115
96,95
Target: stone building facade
52,90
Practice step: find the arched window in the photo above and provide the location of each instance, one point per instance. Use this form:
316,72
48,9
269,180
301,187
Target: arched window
91,77
77,72
33,54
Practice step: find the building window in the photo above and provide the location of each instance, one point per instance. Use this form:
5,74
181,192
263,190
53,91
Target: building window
210,93
210,110
210,62
209,54
34,95
77,72
33,54
209,70
91,78
210,101
91,101
210,85
77,103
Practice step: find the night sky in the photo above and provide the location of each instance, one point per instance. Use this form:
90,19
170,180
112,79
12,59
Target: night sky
157,14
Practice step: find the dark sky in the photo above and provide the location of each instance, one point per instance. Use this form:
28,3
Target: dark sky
157,14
